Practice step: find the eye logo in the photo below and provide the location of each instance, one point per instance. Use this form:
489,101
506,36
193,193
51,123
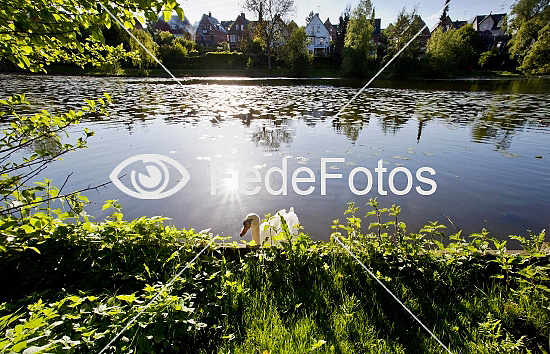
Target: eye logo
153,183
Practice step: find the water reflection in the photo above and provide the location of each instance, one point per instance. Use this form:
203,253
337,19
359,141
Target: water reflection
492,117
468,137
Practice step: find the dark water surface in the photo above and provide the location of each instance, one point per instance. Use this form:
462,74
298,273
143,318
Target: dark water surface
481,137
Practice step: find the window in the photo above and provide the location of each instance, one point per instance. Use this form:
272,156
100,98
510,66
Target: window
210,27
318,29
233,38
173,27
242,27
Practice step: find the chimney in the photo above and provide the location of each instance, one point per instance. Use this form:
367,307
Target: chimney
242,15
209,13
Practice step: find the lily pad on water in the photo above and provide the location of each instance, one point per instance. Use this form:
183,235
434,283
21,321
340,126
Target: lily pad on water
401,157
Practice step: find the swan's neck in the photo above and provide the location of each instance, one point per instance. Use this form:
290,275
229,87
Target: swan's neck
255,226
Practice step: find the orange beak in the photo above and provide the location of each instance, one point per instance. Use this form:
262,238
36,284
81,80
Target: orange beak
246,226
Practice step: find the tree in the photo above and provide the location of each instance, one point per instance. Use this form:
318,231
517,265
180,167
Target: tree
529,26
143,59
341,33
34,34
401,31
270,14
297,56
310,17
397,35
358,44
449,52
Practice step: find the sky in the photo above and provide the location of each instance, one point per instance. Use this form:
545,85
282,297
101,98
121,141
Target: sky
225,10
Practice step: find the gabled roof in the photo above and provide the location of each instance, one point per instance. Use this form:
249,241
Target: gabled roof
226,24
243,19
318,19
313,18
477,19
213,22
181,26
496,19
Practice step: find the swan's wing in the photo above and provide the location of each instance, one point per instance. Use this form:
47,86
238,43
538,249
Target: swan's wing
292,221
275,221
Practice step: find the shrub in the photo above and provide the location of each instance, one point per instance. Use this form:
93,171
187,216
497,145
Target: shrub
225,60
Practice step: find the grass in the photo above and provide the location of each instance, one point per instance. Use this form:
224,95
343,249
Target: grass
71,287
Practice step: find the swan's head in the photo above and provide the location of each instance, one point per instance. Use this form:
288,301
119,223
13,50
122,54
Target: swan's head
248,222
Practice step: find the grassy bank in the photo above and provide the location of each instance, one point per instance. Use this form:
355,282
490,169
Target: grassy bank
320,71
70,286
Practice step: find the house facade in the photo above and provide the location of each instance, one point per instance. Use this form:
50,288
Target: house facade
491,29
236,30
176,26
209,31
318,37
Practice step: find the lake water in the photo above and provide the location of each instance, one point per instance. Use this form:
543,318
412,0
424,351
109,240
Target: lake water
481,138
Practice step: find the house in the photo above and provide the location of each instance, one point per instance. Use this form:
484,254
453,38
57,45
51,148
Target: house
237,30
209,31
176,26
491,29
331,30
318,37
492,23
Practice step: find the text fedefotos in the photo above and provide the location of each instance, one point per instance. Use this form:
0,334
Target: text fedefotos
304,181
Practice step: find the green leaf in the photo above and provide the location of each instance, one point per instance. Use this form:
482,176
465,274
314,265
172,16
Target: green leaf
181,13
128,298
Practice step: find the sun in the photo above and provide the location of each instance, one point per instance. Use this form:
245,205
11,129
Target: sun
232,183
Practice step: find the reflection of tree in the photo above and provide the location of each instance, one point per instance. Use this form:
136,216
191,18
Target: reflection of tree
48,144
350,124
494,118
392,123
421,125
498,128
271,137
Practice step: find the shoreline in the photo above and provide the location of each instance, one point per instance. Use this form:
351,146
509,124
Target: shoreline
497,84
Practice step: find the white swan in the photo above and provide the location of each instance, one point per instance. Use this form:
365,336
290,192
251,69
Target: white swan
268,229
